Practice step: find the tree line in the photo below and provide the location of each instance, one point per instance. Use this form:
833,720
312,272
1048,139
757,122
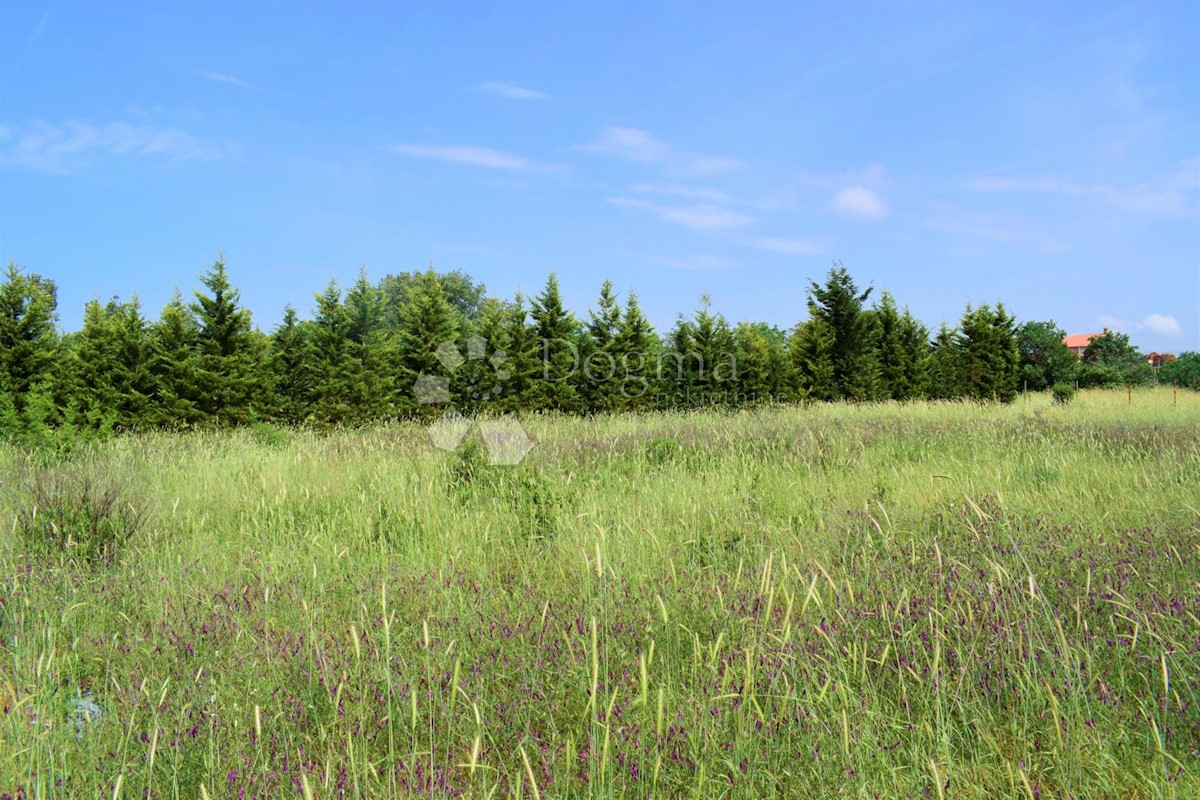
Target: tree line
415,343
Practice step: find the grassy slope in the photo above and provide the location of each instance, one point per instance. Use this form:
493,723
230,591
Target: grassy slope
857,601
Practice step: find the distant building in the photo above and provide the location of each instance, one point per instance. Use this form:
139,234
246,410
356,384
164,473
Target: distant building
1158,359
1078,342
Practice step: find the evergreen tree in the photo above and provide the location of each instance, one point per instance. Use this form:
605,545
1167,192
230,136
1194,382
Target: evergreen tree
372,346
111,361
762,363
175,366
989,357
914,337
427,322
945,366
230,379
635,349
464,294
524,357
702,357
28,340
811,349
334,373
483,380
291,368
895,367
555,329
840,304
600,373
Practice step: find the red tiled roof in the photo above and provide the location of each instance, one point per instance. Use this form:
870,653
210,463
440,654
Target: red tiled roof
1080,339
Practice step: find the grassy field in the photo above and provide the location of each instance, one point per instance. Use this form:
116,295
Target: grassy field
935,600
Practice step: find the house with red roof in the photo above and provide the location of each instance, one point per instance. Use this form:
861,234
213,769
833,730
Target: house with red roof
1078,342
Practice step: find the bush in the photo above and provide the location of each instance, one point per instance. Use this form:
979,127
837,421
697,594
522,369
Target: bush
1063,393
71,511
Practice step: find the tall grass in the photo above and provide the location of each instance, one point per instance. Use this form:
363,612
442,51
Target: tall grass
933,600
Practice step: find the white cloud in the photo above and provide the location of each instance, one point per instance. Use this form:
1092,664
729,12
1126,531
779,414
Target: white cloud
510,91
697,261
677,190
861,202
48,147
465,154
784,246
698,217
632,144
1164,325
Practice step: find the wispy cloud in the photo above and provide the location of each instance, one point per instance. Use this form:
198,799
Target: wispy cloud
1173,195
510,91
234,80
705,216
678,190
696,261
465,154
633,144
861,202
43,22
56,148
786,246
951,219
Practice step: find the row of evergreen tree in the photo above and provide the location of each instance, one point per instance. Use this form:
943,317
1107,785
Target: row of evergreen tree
416,342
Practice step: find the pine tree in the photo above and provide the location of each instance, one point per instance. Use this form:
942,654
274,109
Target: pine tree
483,379
111,360
334,373
372,346
291,368
895,370
811,349
555,329
914,337
945,366
840,304
600,373
524,357
175,366
28,340
762,363
635,349
230,380
989,357
427,322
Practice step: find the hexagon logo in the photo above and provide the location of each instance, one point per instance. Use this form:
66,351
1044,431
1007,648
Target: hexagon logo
505,439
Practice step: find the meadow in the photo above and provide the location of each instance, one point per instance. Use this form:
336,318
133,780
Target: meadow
928,600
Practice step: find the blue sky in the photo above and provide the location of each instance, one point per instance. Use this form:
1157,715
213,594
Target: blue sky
1043,154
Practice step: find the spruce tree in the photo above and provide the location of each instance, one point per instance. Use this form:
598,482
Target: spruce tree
175,366
111,360
762,363
372,346
840,304
811,349
427,322
524,358
28,340
914,337
334,373
556,331
291,368
945,366
635,349
230,385
483,380
989,357
895,369
600,373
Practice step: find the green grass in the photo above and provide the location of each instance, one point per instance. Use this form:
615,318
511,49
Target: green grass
934,600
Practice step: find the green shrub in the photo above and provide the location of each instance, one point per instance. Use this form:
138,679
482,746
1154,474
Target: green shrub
1063,393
